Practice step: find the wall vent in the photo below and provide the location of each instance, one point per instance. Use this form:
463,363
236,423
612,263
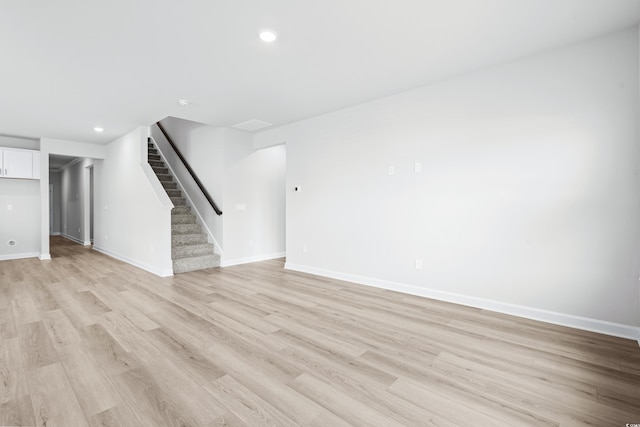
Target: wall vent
11,243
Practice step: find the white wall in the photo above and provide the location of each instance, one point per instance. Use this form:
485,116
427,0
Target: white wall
132,221
54,180
22,222
254,197
72,201
528,199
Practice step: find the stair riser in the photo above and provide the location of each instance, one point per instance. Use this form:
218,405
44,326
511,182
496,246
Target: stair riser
174,193
181,210
160,171
154,157
169,185
186,229
183,219
164,177
187,239
190,251
192,264
178,201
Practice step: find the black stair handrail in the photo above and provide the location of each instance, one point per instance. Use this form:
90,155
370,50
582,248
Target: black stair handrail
191,172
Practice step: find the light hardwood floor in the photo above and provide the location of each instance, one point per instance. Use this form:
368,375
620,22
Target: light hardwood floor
88,340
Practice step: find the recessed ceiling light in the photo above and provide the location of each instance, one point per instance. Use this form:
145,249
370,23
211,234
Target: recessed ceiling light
268,36
184,102
98,129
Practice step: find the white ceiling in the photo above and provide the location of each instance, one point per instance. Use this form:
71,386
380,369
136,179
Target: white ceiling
69,65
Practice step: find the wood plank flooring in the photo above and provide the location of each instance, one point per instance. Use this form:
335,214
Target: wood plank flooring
86,340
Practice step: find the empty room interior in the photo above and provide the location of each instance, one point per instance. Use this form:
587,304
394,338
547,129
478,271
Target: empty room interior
296,213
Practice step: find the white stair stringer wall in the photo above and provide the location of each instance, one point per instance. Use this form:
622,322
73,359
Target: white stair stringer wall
131,214
174,165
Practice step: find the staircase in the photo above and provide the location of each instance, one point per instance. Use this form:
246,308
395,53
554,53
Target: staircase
190,249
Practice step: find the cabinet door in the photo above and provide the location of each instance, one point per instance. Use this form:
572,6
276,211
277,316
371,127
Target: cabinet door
18,164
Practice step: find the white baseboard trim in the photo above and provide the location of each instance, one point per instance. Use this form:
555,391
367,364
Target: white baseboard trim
247,260
55,233
44,257
20,256
73,239
584,323
151,269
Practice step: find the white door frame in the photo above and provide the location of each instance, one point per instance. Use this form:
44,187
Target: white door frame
50,209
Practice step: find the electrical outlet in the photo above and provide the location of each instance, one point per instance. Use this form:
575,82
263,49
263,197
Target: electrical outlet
417,167
305,249
418,264
9,207
392,170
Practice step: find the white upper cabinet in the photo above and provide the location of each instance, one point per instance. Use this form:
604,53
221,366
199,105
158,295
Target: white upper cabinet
18,163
